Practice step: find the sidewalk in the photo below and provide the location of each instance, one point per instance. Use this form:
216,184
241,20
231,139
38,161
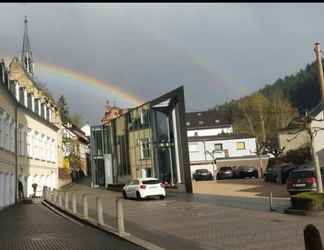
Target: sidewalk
184,221
35,227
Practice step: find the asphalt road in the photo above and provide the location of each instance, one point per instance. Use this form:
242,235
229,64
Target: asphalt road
34,227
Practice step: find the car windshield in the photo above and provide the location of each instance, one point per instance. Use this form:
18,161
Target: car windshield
151,182
202,170
225,168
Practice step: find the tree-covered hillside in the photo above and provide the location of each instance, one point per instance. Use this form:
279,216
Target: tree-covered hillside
266,111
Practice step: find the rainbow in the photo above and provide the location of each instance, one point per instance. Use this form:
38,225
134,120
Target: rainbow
89,80
67,73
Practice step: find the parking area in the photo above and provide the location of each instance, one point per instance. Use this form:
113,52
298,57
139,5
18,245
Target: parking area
240,188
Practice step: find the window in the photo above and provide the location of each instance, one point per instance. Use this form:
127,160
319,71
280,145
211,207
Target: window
145,148
218,146
42,110
216,121
21,96
240,145
196,133
47,113
12,88
37,105
29,101
29,143
188,123
201,122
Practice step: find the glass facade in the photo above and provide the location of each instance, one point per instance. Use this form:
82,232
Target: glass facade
147,141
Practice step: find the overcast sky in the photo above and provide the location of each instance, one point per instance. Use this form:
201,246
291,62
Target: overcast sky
217,51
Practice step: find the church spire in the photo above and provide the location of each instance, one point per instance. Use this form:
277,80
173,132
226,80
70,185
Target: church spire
26,55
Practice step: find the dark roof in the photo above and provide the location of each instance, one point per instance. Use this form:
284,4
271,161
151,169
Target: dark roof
219,137
205,119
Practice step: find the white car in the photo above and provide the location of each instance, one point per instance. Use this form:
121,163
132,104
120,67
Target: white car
144,188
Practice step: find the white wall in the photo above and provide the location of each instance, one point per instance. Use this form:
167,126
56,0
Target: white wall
7,189
197,149
210,132
319,137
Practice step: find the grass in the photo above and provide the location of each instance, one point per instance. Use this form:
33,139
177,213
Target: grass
308,201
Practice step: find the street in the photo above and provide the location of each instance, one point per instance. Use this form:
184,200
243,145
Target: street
35,227
184,221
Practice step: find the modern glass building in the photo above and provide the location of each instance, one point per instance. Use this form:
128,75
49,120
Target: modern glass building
147,141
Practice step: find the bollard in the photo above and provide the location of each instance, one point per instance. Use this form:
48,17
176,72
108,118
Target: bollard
270,201
85,206
120,217
99,211
312,238
60,200
44,192
74,207
66,203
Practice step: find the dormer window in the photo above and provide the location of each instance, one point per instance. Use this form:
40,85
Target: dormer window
201,122
199,114
216,121
188,123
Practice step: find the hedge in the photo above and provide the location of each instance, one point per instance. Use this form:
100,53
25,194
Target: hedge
308,201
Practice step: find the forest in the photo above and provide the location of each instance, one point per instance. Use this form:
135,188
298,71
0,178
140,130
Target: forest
266,111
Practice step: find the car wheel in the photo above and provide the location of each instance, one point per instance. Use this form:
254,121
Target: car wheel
162,197
124,194
138,196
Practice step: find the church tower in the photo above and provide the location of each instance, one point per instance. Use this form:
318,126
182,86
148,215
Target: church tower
26,54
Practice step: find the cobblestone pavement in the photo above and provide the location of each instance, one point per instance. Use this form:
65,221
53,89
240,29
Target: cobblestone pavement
184,221
34,227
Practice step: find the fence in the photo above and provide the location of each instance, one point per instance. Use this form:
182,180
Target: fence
68,201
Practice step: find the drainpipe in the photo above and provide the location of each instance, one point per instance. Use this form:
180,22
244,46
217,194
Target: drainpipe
16,153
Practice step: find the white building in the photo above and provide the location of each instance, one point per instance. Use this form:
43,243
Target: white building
210,136
294,137
30,136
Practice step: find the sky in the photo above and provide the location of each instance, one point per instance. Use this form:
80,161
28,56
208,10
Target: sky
217,51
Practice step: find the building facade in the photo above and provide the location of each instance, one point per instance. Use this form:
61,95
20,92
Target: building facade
296,136
211,137
146,141
30,136
75,151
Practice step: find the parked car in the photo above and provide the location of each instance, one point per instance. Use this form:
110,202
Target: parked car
225,173
303,180
246,171
278,173
284,172
144,188
202,174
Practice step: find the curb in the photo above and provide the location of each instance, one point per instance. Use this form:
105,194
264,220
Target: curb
78,218
304,212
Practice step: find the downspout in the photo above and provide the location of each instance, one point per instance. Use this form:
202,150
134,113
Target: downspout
16,153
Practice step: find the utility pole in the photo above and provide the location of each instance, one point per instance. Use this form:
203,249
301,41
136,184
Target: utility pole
320,68
315,156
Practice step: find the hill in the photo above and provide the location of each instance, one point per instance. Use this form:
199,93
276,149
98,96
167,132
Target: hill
270,109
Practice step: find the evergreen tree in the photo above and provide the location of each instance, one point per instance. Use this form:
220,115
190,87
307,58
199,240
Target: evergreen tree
63,109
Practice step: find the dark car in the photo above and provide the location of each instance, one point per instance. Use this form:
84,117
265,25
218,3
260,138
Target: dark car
284,172
303,180
278,173
202,174
225,173
246,171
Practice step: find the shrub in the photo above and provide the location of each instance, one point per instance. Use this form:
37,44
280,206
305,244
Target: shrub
308,201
